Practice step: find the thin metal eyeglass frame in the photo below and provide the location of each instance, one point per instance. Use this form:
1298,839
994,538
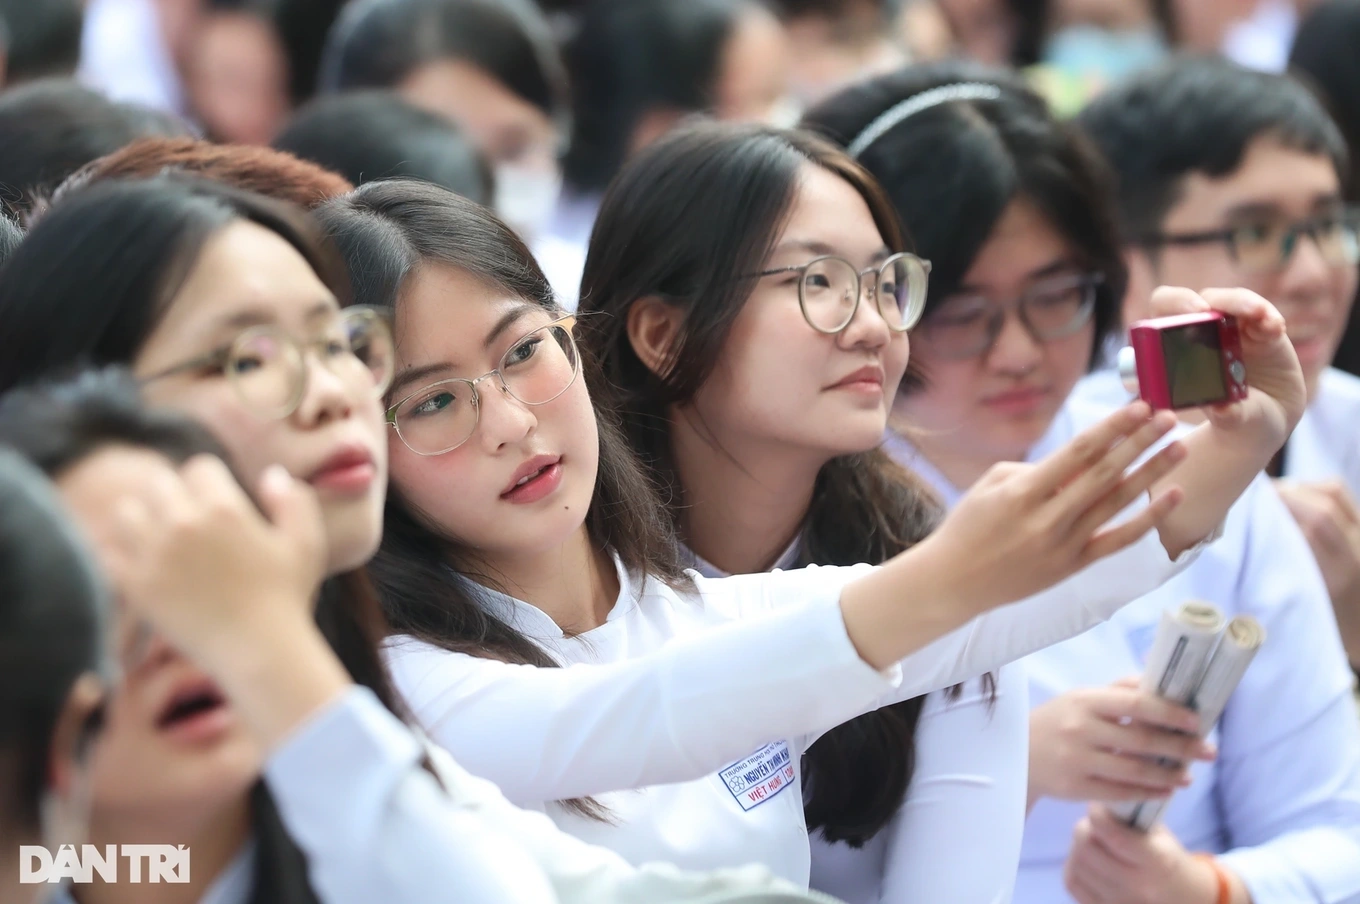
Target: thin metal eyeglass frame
912,318
565,323
220,358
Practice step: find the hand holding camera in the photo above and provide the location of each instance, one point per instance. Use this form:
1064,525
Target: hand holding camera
1224,351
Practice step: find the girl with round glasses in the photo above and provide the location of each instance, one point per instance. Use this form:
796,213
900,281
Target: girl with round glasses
764,436
1014,211
223,305
535,542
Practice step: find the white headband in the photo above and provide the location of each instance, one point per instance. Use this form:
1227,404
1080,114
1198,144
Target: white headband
894,115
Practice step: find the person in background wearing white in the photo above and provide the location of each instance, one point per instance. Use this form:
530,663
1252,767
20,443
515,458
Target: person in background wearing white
1030,274
765,471
1233,177
559,555
493,68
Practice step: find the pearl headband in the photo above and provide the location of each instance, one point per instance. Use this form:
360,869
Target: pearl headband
893,116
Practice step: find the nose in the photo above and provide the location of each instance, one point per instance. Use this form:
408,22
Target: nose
1307,275
867,328
503,420
1015,350
328,398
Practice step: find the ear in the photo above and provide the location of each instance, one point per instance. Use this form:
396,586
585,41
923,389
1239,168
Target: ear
66,805
653,329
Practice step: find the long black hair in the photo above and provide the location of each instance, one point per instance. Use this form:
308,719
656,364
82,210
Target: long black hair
56,425
52,614
980,140
386,231
91,281
684,221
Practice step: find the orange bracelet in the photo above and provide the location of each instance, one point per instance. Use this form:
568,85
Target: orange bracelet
1224,884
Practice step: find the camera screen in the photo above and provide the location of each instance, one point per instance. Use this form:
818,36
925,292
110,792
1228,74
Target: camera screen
1194,365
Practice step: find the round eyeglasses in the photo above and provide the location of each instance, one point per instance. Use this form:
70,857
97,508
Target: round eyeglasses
268,368
966,326
830,288
536,369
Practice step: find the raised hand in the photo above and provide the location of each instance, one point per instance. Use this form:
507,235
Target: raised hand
193,555
1277,395
1023,528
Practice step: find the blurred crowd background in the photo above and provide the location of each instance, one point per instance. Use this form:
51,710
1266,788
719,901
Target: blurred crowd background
533,107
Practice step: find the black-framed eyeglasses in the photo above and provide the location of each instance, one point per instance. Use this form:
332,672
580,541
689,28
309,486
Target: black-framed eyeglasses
268,368
537,368
1267,247
830,289
966,326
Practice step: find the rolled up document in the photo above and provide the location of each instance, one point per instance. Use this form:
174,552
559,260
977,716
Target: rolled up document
1195,661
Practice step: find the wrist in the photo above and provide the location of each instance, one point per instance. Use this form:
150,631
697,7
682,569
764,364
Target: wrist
897,609
1222,885
280,674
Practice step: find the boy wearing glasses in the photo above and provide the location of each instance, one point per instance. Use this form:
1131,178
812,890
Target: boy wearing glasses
1229,177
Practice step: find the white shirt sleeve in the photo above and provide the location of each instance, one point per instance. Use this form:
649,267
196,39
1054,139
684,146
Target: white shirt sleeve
397,835
1014,631
1288,773
967,794
375,826
546,734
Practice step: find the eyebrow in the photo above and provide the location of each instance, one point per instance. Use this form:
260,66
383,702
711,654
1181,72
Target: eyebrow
263,316
1270,210
509,319
427,371
1050,269
822,249
415,375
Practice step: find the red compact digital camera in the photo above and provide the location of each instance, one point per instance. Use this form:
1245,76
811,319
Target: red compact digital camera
1185,361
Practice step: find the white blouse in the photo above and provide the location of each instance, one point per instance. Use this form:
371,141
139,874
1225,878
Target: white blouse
687,712
1282,803
956,836
376,826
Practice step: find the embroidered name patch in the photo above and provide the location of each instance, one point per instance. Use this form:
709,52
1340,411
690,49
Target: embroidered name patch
760,776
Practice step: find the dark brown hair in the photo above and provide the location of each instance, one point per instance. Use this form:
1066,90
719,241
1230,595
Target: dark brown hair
386,231
685,221
274,174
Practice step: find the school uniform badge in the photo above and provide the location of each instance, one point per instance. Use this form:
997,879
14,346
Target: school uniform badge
761,776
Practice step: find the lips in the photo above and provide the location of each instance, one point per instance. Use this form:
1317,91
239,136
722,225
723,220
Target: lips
196,712
872,375
349,469
1020,400
531,470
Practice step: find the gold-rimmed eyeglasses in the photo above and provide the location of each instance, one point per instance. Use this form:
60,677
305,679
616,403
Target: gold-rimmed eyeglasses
268,369
537,368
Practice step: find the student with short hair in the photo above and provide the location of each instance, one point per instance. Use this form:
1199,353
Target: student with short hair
1231,177
378,134
273,173
1013,208
54,127
54,670
39,40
